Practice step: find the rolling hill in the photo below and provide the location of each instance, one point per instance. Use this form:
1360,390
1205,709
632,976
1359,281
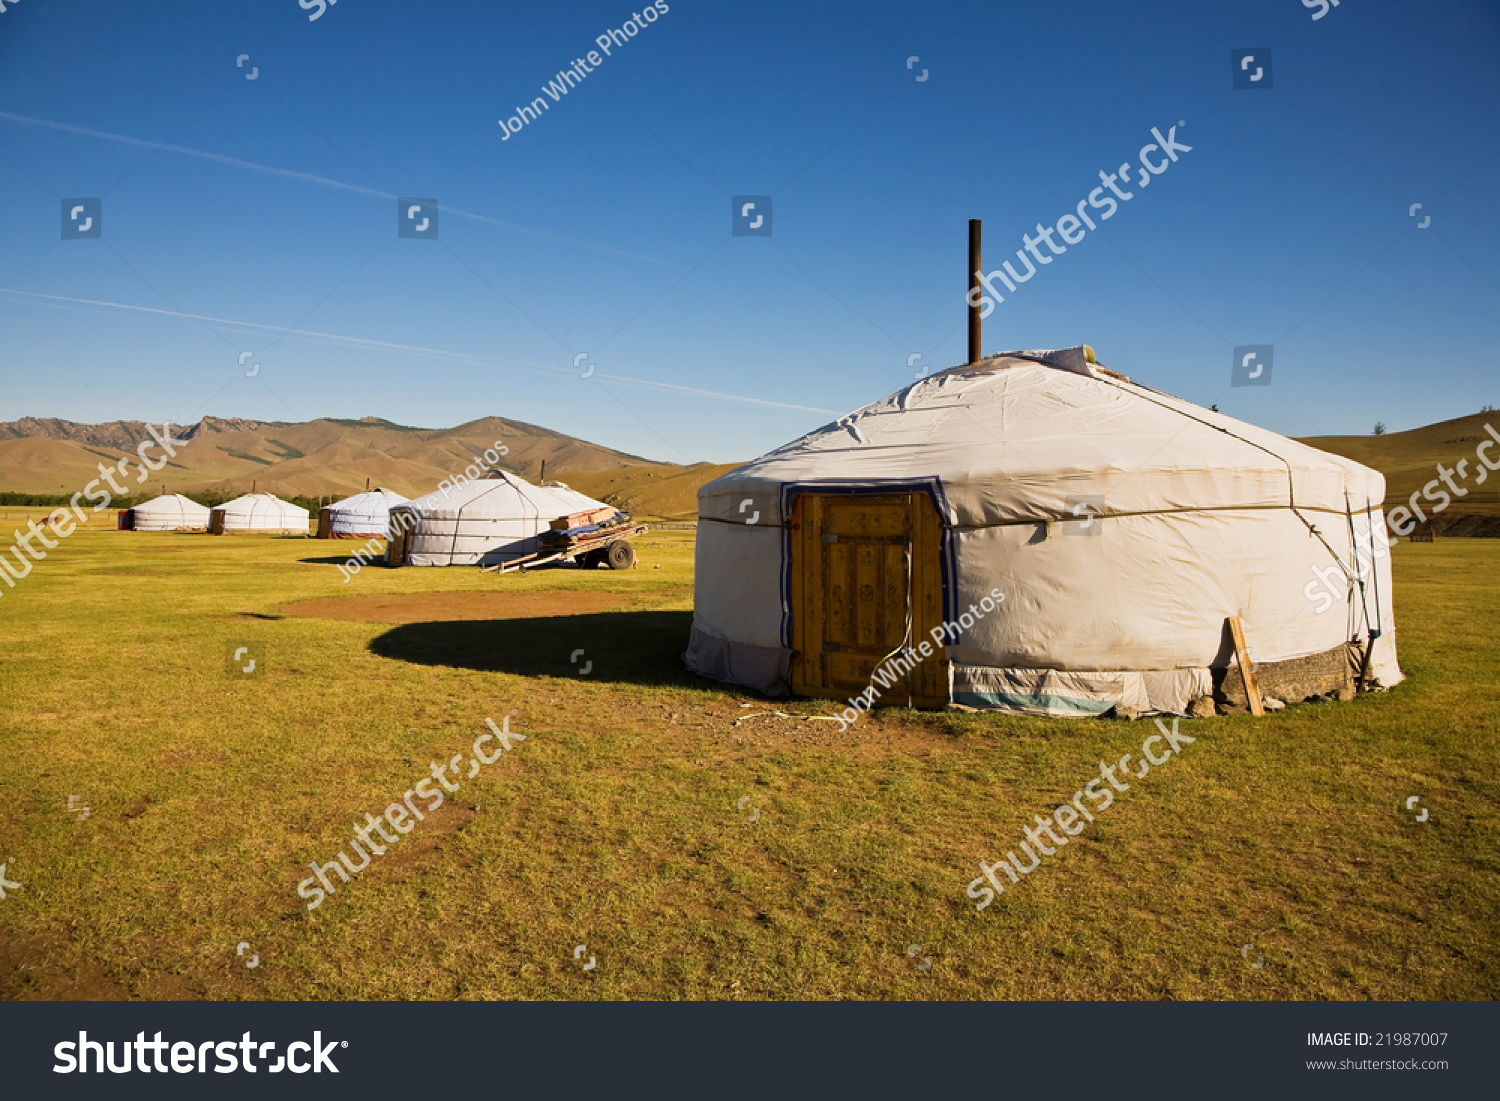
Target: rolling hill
1409,461
668,493
333,457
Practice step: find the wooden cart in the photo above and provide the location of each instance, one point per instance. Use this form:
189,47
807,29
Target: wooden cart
602,546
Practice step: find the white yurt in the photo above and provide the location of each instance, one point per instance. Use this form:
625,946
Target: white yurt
169,512
1064,540
258,512
486,521
359,517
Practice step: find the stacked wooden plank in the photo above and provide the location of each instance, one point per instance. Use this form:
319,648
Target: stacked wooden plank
583,519
588,535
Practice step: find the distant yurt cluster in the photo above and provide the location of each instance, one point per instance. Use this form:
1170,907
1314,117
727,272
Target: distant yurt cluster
488,521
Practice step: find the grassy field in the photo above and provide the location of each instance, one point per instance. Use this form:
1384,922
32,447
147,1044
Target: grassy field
622,821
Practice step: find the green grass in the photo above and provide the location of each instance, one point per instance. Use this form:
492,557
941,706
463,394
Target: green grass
616,824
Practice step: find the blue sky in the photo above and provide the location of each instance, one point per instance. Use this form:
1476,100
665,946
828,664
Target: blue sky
603,227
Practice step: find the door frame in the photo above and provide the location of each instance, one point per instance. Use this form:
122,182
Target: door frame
931,488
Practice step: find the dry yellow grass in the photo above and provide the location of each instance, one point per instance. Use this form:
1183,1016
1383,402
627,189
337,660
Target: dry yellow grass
623,822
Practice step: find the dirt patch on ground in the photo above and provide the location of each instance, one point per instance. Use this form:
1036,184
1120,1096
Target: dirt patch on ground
37,969
440,607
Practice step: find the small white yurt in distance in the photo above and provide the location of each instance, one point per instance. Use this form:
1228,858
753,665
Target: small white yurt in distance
169,512
486,521
359,517
1085,538
258,512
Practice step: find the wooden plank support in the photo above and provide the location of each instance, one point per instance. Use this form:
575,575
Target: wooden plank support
1247,667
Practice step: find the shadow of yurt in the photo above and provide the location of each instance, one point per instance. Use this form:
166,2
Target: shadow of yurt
643,648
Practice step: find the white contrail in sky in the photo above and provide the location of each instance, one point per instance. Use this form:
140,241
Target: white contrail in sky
383,345
324,181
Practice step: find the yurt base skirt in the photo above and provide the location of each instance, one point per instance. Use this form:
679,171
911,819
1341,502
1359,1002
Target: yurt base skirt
1166,691
766,669
1078,694
1068,693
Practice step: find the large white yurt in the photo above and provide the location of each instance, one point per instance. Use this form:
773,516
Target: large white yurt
169,512
261,512
486,521
362,516
1065,540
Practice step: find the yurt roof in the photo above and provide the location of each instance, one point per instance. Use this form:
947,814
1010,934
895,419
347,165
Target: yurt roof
1021,435
502,496
250,502
371,501
174,504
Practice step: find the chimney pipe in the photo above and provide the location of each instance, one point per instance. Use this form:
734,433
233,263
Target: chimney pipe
974,266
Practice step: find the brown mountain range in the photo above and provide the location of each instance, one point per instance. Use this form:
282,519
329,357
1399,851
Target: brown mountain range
335,457
311,458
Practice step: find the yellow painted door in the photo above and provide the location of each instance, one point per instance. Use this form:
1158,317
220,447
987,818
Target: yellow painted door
866,585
